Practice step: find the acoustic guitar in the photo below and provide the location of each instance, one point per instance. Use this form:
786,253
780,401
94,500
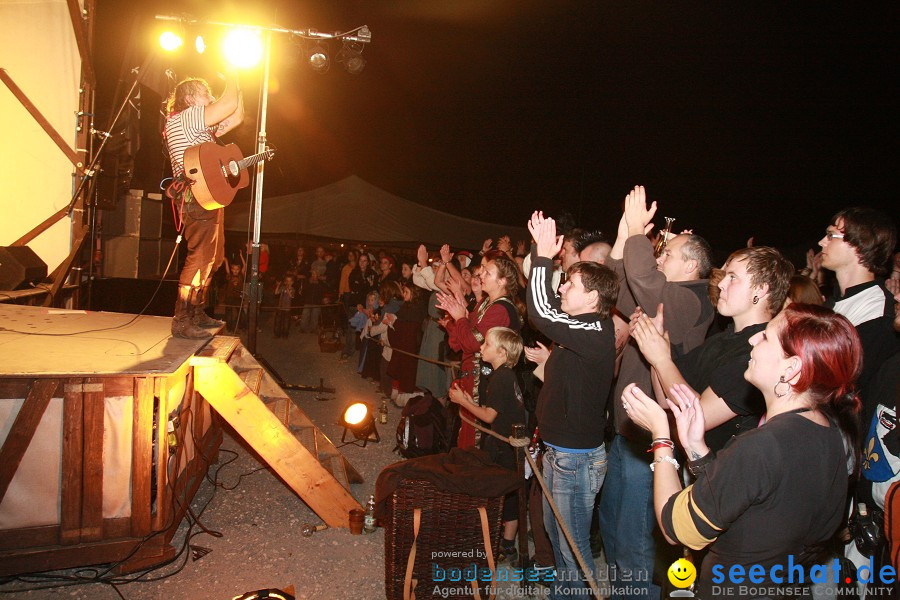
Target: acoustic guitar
217,172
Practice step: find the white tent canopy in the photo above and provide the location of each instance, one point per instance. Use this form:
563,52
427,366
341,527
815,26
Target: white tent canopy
353,209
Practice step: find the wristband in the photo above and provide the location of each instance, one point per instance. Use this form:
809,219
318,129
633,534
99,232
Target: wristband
667,459
661,443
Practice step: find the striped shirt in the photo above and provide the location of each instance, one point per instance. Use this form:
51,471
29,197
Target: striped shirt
183,130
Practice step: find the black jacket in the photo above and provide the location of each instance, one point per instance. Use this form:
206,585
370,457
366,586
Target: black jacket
571,409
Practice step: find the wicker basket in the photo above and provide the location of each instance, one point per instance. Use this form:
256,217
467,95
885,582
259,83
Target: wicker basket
450,523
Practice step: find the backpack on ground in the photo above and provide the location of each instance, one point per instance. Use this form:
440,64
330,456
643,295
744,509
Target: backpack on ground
423,427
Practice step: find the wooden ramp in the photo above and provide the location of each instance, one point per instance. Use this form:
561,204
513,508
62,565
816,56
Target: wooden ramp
249,399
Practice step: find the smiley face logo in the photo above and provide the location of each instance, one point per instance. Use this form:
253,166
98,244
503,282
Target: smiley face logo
682,573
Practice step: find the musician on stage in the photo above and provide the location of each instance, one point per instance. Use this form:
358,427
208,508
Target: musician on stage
195,117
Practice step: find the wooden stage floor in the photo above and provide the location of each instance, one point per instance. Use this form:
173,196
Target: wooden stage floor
40,341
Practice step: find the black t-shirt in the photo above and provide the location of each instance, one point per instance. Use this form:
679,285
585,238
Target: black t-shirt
765,497
504,396
719,363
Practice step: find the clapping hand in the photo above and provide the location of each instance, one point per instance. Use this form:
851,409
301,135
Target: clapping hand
543,231
657,320
637,216
449,303
457,395
446,255
645,412
538,355
689,420
653,345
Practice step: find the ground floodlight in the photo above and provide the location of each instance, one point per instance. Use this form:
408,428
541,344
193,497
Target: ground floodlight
318,58
351,57
170,41
359,420
242,47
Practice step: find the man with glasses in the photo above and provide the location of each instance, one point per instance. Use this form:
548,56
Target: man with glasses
858,246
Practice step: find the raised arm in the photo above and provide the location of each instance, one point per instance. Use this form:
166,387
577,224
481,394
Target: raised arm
227,112
656,350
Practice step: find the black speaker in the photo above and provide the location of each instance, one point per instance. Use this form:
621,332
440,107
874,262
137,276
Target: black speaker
20,266
136,215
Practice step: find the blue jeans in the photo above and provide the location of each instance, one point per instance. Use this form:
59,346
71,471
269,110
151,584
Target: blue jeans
574,480
627,520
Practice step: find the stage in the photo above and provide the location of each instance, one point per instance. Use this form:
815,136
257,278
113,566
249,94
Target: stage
40,341
108,426
258,516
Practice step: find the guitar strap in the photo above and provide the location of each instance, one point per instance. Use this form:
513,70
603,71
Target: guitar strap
177,192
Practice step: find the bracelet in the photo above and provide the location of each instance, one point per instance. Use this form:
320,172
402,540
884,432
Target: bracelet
667,459
661,443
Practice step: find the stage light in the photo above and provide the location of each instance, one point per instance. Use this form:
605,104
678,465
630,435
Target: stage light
359,420
351,57
170,41
243,48
199,44
318,58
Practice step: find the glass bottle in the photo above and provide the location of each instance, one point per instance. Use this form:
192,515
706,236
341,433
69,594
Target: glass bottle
369,521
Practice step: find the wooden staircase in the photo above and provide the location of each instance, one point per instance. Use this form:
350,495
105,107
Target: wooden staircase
253,403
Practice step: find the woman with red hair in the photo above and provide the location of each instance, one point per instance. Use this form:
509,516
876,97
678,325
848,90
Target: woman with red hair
774,495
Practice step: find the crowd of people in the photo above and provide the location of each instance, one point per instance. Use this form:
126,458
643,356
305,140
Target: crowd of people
602,345
781,384
621,338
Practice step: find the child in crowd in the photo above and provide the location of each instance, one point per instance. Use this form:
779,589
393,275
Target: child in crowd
313,292
501,408
284,292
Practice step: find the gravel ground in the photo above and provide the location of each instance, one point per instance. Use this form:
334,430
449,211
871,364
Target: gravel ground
258,519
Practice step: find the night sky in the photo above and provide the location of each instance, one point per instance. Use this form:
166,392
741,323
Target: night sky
740,118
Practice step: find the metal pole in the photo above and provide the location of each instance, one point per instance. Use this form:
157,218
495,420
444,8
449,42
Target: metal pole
255,290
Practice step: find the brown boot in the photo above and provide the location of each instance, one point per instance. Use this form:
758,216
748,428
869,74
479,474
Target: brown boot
182,327
199,316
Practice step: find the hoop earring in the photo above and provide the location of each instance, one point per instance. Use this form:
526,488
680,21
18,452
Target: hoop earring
784,393
755,299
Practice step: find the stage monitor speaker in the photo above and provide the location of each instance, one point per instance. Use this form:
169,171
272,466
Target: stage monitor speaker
20,267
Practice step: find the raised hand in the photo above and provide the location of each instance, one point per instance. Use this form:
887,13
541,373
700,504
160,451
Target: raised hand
538,355
685,405
486,245
637,215
644,411
543,230
446,255
422,255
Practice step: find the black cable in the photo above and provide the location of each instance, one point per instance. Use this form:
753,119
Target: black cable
93,575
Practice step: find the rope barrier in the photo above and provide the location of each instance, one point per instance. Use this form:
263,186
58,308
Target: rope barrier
275,308
450,364
518,443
